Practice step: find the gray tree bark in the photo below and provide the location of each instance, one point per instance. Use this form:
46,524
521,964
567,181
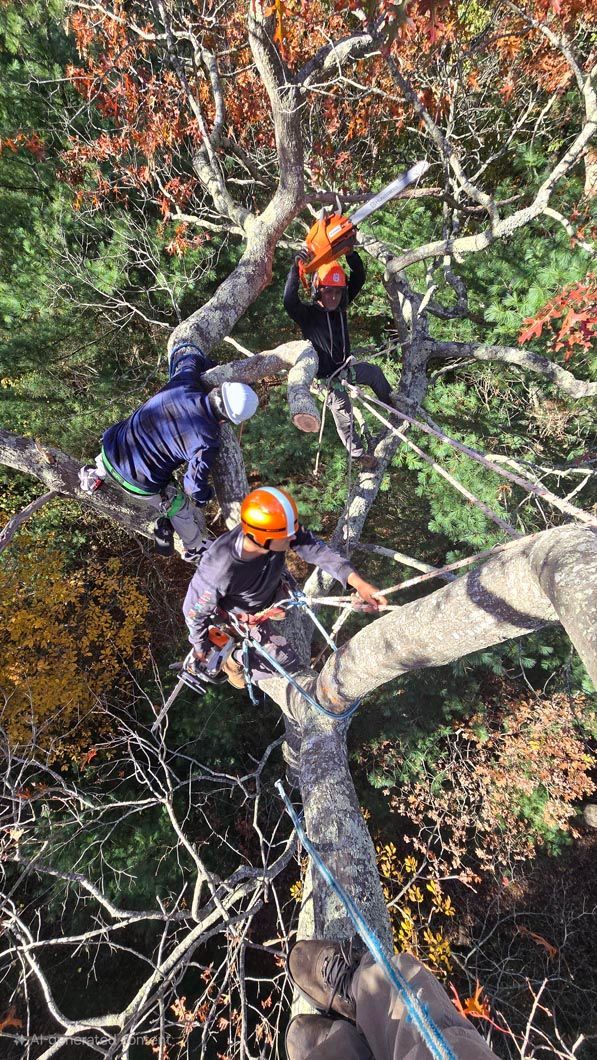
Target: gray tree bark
538,580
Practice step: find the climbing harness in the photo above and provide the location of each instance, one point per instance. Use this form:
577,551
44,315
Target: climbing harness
223,645
122,482
417,1012
249,643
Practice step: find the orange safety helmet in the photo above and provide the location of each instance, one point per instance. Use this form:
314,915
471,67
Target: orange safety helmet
331,275
268,513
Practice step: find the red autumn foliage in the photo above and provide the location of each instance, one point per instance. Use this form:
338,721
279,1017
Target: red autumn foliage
30,142
570,319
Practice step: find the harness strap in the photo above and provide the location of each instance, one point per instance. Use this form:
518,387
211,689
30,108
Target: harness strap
178,502
175,505
128,486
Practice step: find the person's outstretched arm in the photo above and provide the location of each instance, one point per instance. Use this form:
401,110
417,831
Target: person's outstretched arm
315,551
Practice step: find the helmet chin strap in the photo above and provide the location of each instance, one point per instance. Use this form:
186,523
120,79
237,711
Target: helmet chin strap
259,544
217,405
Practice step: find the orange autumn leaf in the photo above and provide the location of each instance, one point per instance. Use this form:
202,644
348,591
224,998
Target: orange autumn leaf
549,948
10,1020
475,1007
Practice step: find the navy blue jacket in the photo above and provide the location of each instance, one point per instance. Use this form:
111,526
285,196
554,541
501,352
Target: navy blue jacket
225,580
326,331
176,426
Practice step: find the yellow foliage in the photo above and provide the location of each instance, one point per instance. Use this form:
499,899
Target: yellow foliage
414,909
68,635
296,891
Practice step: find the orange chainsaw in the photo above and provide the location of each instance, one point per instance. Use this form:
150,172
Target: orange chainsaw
334,234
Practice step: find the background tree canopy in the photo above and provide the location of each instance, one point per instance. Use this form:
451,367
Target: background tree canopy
159,167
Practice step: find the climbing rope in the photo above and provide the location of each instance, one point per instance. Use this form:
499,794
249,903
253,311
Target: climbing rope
417,1012
349,482
432,428
299,600
437,572
249,643
320,438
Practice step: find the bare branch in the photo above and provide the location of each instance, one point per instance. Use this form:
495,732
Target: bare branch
13,524
526,359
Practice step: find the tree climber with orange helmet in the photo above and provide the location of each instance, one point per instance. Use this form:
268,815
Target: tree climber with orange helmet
324,324
242,573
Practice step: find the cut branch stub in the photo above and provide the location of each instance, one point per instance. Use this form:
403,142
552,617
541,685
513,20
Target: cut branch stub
303,408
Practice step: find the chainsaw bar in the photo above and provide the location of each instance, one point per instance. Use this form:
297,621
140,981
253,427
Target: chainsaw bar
387,193
334,234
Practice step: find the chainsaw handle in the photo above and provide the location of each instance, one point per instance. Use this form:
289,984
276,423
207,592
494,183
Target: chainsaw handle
303,275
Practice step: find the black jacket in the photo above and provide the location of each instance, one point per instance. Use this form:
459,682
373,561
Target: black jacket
326,331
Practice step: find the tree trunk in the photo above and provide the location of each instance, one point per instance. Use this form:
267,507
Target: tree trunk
540,579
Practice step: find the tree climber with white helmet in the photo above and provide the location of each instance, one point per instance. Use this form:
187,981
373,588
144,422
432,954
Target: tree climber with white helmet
324,324
178,425
242,573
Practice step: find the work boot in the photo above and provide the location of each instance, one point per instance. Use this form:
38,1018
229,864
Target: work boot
322,972
304,1033
193,555
163,536
234,672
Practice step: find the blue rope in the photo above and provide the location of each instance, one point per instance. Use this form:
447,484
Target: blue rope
249,642
431,1035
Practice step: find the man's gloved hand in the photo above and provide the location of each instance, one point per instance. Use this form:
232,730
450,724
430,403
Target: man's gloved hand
302,255
195,661
370,594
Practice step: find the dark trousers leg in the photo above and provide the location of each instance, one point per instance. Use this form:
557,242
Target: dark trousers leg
370,375
275,645
340,405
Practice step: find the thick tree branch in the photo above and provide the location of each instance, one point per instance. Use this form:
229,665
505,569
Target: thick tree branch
532,582
60,474
526,359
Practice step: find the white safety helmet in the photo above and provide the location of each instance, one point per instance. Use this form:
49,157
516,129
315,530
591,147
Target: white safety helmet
239,401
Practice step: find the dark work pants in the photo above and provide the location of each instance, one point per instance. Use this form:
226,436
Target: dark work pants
362,374
275,645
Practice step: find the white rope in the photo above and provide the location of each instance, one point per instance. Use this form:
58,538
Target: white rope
433,429
319,440
347,601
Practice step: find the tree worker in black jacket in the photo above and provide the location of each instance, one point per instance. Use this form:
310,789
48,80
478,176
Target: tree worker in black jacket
324,324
